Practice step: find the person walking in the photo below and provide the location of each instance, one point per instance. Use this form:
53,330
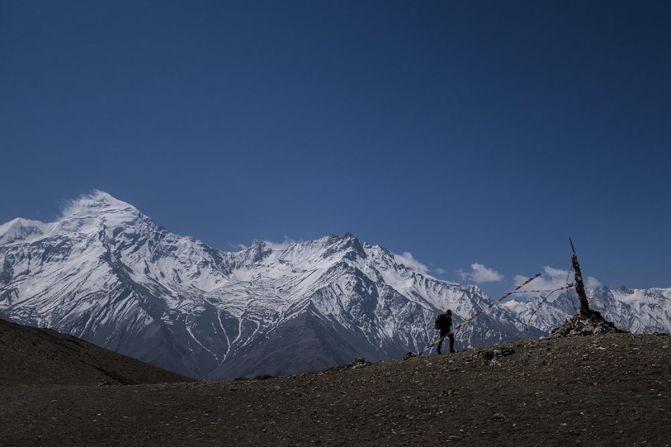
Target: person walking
444,325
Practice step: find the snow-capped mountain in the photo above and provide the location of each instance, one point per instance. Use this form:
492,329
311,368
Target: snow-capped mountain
636,310
108,274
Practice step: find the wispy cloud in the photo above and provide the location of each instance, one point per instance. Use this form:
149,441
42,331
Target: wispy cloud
280,245
551,278
407,259
287,242
480,273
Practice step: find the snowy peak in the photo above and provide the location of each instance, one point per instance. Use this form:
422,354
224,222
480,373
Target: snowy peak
19,228
95,203
317,253
346,245
93,211
89,213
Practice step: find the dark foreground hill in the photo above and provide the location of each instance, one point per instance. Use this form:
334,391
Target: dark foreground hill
31,356
599,390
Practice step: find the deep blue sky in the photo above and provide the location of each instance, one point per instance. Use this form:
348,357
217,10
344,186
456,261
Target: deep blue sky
459,131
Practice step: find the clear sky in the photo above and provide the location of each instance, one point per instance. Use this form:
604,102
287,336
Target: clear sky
462,132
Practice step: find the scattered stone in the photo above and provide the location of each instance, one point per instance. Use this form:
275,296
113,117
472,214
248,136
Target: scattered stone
409,356
499,417
263,377
491,356
487,355
503,351
359,362
448,393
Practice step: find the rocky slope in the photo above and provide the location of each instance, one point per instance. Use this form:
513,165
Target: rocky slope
31,356
593,391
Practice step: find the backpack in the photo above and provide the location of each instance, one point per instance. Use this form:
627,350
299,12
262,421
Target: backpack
440,321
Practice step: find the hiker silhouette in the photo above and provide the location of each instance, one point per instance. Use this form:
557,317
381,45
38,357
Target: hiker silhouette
444,325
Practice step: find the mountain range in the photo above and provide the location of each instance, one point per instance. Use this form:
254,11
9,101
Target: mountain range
107,273
636,310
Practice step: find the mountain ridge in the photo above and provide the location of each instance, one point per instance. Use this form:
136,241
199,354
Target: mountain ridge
109,274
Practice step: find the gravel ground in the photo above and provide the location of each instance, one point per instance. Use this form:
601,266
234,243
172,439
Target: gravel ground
597,390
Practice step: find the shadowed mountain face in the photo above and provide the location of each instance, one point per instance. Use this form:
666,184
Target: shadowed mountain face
106,273
32,356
